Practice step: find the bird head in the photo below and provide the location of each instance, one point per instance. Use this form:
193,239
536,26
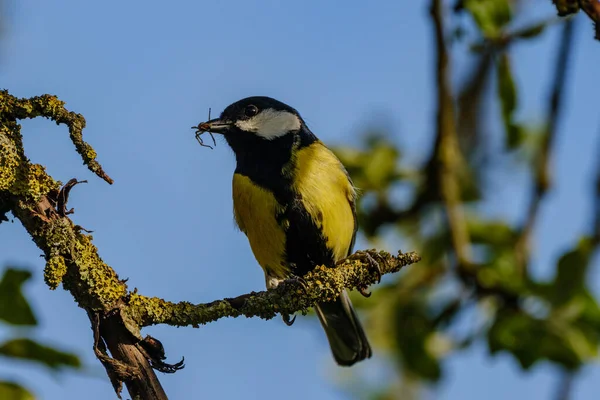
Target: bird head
255,120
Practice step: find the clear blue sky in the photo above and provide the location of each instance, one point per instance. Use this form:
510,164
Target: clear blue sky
143,73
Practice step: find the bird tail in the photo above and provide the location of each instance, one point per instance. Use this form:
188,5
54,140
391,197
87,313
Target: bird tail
346,336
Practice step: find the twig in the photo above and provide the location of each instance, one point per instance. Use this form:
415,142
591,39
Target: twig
322,284
590,7
469,102
565,385
543,180
51,107
596,203
63,197
448,151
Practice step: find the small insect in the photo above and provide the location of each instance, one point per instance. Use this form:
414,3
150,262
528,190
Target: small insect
200,129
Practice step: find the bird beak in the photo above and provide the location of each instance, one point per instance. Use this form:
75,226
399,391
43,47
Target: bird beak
213,126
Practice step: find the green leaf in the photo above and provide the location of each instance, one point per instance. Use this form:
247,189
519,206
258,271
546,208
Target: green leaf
571,273
531,340
507,93
28,349
14,307
495,233
436,246
14,391
490,15
532,31
381,167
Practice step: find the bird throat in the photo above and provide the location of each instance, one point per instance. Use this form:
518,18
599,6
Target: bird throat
270,163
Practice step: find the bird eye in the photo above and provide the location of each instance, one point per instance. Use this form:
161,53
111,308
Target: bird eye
251,110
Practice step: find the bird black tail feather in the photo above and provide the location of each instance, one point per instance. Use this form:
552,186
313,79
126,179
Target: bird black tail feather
346,336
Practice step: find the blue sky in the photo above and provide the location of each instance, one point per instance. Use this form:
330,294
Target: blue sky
143,73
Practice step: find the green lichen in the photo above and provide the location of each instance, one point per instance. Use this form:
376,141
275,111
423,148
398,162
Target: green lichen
94,284
33,182
54,271
72,258
18,177
48,106
9,161
101,283
321,284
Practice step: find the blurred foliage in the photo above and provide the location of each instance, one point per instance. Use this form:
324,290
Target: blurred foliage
442,306
14,307
14,391
15,311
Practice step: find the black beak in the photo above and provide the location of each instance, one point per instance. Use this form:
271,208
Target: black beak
213,126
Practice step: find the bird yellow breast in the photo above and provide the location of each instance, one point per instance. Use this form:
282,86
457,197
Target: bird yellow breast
327,195
255,211
321,184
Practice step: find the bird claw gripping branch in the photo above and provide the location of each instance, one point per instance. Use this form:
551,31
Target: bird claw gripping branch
293,280
373,265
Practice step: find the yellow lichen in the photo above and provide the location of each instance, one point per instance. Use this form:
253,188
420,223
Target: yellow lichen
9,162
97,274
90,153
33,182
54,271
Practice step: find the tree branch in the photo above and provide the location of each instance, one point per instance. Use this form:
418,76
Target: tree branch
51,107
542,165
322,284
116,314
596,203
448,150
590,7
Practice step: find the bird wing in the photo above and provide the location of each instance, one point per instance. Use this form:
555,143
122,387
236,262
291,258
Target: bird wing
328,196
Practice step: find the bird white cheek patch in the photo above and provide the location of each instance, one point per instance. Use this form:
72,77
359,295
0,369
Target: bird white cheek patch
270,124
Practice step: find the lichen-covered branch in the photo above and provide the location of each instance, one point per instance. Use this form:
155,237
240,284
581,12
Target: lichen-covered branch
51,107
322,284
117,315
38,201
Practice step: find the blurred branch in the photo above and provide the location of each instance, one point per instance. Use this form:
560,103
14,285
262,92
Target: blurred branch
470,102
590,7
448,151
116,314
596,203
542,166
321,284
565,385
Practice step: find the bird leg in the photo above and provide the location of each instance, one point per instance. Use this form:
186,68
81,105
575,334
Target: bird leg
293,280
287,320
373,265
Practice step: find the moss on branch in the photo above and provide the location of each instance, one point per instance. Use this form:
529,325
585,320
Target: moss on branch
322,284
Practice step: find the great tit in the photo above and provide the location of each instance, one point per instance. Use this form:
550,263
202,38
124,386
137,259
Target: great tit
295,202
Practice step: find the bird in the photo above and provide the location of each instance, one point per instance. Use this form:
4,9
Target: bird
296,203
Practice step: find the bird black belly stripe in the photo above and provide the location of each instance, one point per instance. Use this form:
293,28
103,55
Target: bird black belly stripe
305,245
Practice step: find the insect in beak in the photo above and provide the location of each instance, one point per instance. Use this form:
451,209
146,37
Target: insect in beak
204,127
